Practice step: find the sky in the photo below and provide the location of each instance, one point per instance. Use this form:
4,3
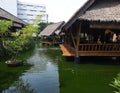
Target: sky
59,10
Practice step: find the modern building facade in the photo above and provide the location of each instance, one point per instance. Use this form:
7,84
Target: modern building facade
29,12
25,11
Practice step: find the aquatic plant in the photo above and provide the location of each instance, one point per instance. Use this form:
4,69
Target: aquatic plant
116,84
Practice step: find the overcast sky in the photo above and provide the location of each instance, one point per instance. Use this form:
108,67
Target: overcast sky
59,10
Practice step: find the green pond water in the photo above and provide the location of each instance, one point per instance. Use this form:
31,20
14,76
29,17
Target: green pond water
90,77
51,73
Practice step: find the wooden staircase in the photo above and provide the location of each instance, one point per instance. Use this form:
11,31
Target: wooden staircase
67,51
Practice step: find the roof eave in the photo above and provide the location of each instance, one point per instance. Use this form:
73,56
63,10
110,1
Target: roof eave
79,12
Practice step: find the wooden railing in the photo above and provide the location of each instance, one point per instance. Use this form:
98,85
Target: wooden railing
100,47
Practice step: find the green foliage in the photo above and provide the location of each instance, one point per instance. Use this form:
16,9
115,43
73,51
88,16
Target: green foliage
21,40
4,30
29,30
42,26
4,26
12,43
37,20
1,50
116,83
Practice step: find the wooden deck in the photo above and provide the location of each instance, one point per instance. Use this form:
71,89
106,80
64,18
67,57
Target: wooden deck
92,50
99,50
67,51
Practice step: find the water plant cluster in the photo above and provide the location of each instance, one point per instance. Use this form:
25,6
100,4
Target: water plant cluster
116,84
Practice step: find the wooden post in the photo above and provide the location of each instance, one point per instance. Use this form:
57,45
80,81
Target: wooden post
53,39
76,58
73,39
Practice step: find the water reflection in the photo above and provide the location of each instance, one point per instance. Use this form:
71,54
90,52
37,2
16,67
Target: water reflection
20,87
42,77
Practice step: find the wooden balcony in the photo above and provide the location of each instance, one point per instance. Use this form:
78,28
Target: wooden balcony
99,49
92,50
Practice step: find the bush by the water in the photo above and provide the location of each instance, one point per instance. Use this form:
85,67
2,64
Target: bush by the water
14,42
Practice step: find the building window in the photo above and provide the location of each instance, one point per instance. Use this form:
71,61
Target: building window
20,14
30,5
43,11
29,15
23,9
33,10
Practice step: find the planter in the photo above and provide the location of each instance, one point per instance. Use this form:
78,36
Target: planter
14,63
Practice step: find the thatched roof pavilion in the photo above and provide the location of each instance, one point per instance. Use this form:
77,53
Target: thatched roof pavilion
89,23
8,16
51,31
97,10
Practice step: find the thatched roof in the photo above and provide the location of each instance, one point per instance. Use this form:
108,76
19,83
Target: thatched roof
103,10
52,28
8,16
97,10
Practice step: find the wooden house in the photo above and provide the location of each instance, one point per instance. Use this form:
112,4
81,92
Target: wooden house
93,30
17,23
50,35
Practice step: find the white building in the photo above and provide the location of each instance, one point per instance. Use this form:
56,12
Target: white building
28,12
9,5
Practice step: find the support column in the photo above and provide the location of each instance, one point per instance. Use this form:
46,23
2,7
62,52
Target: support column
77,58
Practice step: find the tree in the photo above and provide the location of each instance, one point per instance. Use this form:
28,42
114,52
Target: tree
37,20
42,26
4,30
15,42
21,40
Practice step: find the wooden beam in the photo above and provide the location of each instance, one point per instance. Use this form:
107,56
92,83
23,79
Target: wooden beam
97,53
73,39
105,25
78,39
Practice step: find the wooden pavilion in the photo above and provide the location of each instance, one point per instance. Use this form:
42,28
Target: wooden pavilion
93,30
50,35
17,23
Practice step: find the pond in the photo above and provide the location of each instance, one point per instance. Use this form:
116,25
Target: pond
42,77
52,73
92,75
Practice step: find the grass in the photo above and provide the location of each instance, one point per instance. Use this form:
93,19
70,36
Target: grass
91,76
